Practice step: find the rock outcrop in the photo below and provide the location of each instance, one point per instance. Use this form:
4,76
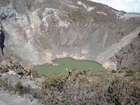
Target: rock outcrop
38,31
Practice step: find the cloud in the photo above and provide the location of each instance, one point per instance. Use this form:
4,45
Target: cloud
125,5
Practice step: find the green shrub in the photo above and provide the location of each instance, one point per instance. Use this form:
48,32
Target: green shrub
21,89
6,84
114,71
53,81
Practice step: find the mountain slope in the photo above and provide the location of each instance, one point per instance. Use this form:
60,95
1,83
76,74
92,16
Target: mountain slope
38,31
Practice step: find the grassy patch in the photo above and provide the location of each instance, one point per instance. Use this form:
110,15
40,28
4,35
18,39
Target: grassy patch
62,65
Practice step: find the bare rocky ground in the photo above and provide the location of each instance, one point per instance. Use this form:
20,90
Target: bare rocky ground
9,74
78,88
10,99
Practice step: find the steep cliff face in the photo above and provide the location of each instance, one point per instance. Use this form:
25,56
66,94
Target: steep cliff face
38,31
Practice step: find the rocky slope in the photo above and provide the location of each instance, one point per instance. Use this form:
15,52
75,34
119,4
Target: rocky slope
8,99
38,31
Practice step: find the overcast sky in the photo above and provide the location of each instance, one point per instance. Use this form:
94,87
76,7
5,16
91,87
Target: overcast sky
126,5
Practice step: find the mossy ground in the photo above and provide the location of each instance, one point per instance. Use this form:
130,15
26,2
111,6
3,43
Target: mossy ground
63,65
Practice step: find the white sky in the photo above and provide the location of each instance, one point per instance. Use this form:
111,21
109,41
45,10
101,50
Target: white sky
126,5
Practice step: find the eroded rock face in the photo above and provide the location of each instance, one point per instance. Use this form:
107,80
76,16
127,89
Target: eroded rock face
129,55
38,31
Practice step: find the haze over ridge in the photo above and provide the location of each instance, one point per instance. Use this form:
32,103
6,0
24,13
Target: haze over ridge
125,5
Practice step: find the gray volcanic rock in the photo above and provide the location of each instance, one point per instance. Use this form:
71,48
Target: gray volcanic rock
8,99
129,55
38,31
